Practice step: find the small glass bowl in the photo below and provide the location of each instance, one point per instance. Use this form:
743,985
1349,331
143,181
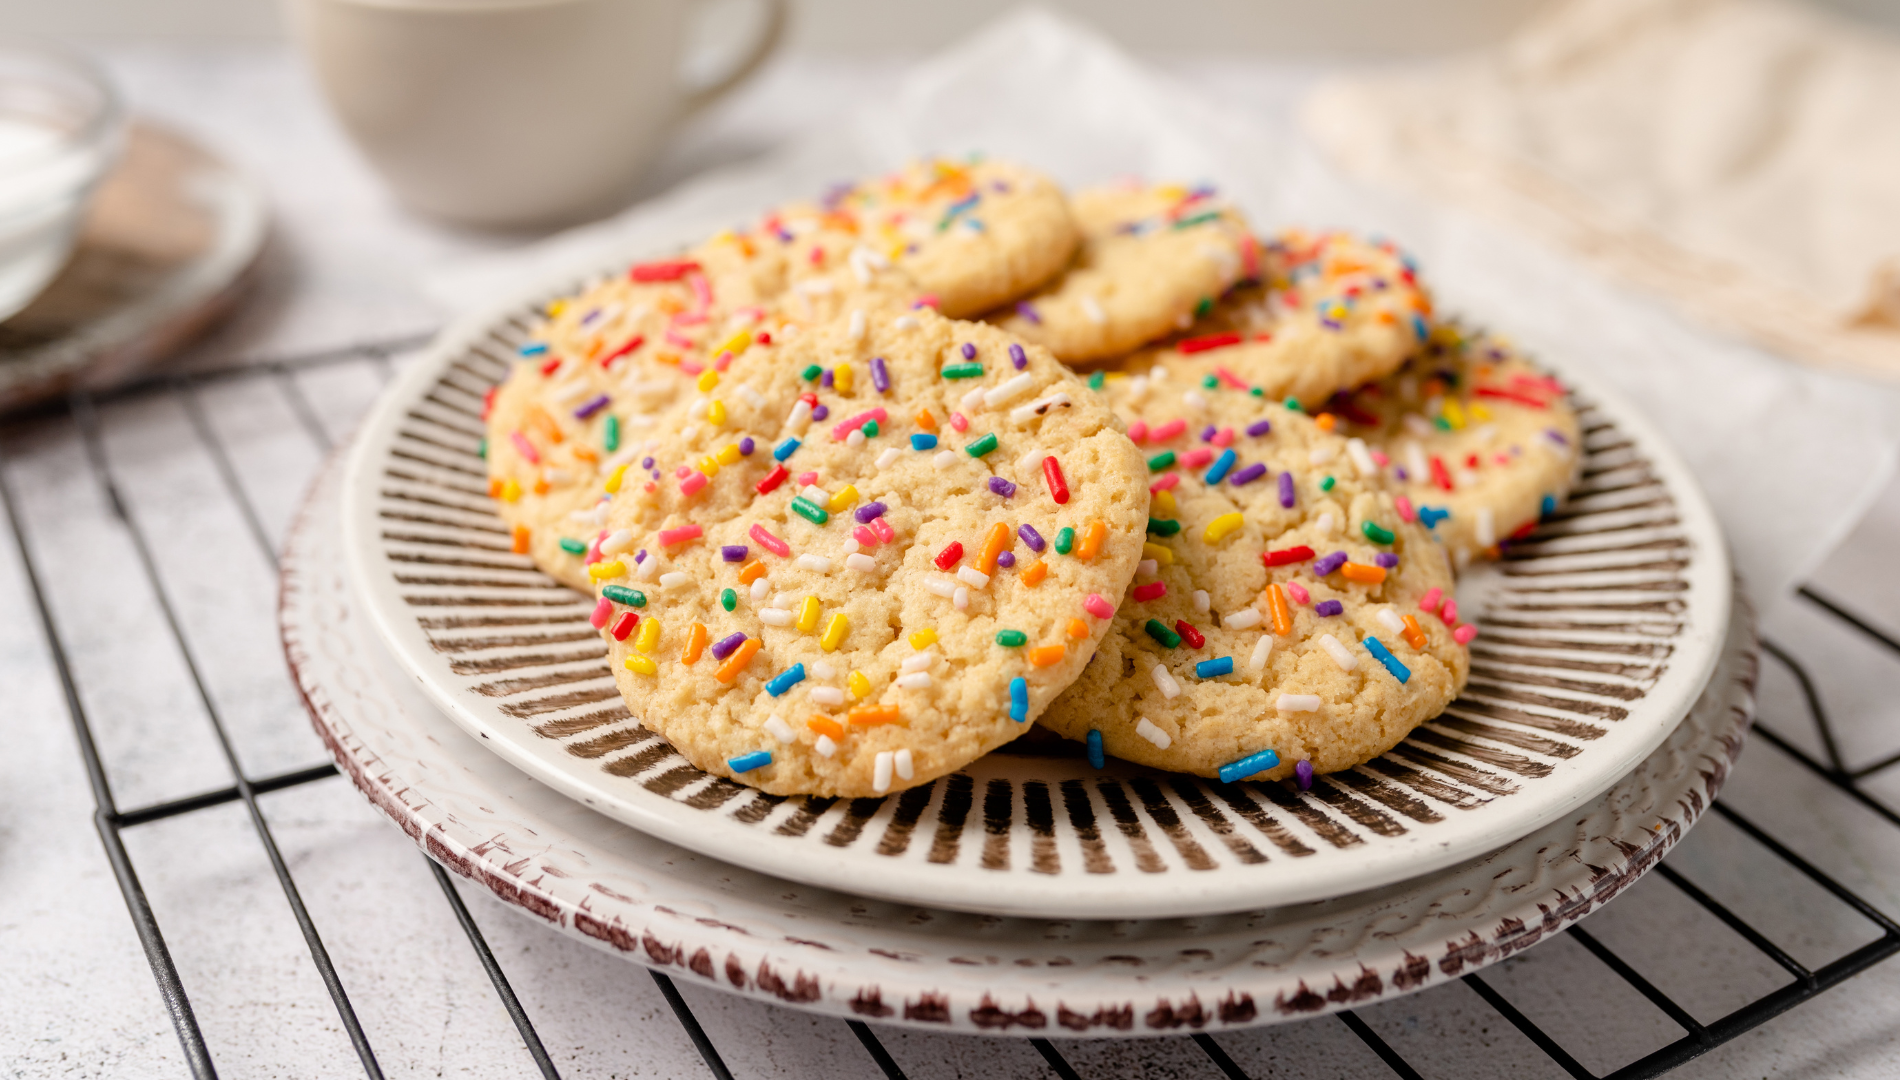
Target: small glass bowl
61,128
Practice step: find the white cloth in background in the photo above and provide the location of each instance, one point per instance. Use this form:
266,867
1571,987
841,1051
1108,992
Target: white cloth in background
1789,456
1741,157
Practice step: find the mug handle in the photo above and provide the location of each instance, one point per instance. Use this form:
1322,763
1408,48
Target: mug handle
699,97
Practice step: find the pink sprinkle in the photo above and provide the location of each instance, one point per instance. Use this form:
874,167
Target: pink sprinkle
883,530
1223,438
1298,592
527,448
683,472
1098,607
1230,378
846,427
724,361
1449,612
693,483
1138,432
702,291
1379,459
1405,514
691,367
1197,457
679,340
593,550
601,611
769,542
865,536
1429,602
1166,481
1168,430
1464,634
959,421
807,479
670,537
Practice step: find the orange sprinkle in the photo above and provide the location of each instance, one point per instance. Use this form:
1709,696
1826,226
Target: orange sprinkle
1360,572
1092,540
1326,421
667,357
1035,573
825,725
586,453
925,420
874,714
540,485
1044,655
993,545
1414,636
521,540
545,423
751,572
1077,629
1387,318
1282,614
695,643
670,304
736,663
495,485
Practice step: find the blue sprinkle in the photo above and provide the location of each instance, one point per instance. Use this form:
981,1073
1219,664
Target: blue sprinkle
923,440
1215,668
1384,656
1018,699
1329,608
1430,516
534,348
1221,465
1548,507
1095,749
748,762
785,680
784,450
1418,327
1247,766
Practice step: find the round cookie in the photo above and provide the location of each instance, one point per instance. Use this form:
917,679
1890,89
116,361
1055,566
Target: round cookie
1256,508
1478,441
1328,313
1151,258
866,556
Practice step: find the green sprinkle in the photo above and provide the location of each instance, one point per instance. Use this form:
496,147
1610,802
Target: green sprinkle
809,510
870,429
483,450
1206,305
610,439
573,546
1096,380
811,372
1210,382
1258,391
728,599
1160,632
620,594
1065,539
1293,403
1163,526
1161,461
1198,219
1376,534
982,446
1011,639
1327,483
1441,423
962,371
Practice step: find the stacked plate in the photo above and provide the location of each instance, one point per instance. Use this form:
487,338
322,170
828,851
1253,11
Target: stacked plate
469,698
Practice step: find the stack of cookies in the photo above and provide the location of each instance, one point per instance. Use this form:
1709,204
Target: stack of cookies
869,489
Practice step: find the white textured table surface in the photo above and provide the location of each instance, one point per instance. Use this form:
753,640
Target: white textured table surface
77,997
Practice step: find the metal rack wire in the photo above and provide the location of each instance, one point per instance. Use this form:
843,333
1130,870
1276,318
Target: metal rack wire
112,821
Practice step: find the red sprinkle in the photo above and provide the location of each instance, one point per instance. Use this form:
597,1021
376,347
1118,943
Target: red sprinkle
1513,395
1154,590
1287,556
1058,487
672,270
772,480
488,400
632,343
949,556
1440,475
624,625
549,367
1189,634
1211,341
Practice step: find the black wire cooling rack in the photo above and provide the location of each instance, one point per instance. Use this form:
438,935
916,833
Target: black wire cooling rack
1804,983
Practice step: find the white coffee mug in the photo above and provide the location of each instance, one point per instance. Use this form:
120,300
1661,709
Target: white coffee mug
512,112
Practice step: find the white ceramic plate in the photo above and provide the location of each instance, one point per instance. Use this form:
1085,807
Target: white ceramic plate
1598,634
725,926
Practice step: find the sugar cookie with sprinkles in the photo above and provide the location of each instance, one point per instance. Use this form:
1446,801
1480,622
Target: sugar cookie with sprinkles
1285,618
868,555
1330,311
1475,441
1152,258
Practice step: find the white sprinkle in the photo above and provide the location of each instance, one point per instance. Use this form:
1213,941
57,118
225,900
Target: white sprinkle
1391,621
856,331
1415,463
961,599
1258,661
881,771
783,601
1291,703
1137,388
901,759
971,576
800,419
1146,728
1200,601
1417,425
559,477
815,286
888,458
1487,527
1022,414
648,569
1464,478
1169,688
772,616
1244,619
778,728
851,545
752,397
823,670
860,562
972,402
1010,390
1361,457
1193,399
619,541
759,589
855,439
940,586
827,695
815,563
916,680
906,322
691,432
569,394
1093,309
1321,454
824,746
1327,524
1158,374
787,331
944,459
1149,567
816,494
921,662
861,269
1029,466
1334,649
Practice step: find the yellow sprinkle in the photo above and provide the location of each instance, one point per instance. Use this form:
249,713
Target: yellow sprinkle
1454,415
736,344
729,454
841,377
642,664
555,309
835,631
1221,526
1478,411
649,634
510,490
613,479
845,499
857,683
923,639
707,380
709,465
606,568
808,613
1164,504
716,412
1162,555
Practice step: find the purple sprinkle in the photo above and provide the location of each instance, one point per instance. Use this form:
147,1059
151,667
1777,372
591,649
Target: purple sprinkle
1002,487
723,647
640,556
1556,436
646,463
1207,433
1249,474
591,407
1327,564
1399,471
1006,559
826,379
880,375
1259,428
746,446
655,474
1329,607
969,351
1017,357
1027,311
1386,559
1030,536
869,512
1286,490
819,412
1303,774
733,552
